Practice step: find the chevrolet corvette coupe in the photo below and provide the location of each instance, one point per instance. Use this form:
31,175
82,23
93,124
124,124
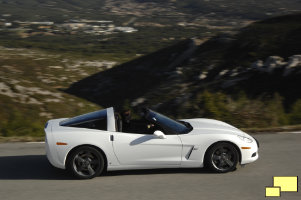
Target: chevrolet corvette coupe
90,144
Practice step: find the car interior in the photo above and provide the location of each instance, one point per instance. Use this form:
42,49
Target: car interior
125,124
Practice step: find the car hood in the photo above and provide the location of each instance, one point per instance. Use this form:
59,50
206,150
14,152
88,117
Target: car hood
202,125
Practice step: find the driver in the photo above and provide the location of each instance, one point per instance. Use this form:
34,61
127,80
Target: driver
126,119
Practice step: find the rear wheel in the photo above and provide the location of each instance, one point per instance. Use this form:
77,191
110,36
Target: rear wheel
86,162
222,157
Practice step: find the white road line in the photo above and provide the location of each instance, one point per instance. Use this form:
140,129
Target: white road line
35,142
291,132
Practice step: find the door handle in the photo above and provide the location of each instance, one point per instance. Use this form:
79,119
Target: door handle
112,137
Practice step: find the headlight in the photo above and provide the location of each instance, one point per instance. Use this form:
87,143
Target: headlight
246,139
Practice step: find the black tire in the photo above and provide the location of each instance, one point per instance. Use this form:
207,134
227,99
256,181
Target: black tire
85,162
222,157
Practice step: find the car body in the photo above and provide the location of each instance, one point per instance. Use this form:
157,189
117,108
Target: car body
187,143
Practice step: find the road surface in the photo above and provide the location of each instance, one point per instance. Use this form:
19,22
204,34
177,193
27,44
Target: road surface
26,174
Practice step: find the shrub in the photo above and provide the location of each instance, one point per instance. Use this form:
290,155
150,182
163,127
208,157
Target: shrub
295,115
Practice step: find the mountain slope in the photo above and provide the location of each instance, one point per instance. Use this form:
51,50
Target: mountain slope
49,10
280,36
29,95
62,9
133,79
226,65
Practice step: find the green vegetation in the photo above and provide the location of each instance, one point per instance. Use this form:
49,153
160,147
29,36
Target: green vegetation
25,120
123,46
30,94
56,10
59,10
19,124
295,114
238,110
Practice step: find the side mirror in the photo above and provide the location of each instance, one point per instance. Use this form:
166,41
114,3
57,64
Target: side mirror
160,134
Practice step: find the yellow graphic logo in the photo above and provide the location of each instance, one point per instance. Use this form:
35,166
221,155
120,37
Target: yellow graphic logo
282,184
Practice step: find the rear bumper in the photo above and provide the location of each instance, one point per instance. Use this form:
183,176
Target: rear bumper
52,158
50,148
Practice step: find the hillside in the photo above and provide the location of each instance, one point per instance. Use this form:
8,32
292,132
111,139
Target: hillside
133,79
59,10
125,29
29,89
224,68
139,53
255,44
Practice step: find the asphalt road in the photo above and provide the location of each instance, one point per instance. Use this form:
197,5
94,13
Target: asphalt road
26,174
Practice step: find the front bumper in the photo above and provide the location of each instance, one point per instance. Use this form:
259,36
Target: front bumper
249,155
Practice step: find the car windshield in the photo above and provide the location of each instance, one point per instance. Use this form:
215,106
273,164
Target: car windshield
92,116
169,125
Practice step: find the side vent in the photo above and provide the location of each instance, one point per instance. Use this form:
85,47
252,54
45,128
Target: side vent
189,153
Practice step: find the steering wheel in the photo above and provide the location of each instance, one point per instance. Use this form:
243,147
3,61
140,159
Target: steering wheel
149,126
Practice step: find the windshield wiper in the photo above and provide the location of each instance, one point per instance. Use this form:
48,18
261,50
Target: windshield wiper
187,124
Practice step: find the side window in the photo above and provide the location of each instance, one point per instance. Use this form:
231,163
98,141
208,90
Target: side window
100,124
93,120
139,126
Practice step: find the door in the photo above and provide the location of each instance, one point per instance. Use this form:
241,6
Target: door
146,150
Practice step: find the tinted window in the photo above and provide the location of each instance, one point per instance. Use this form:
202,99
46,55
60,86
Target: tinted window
168,125
93,120
100,124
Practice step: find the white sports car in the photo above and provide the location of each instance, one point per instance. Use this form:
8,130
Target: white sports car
91,143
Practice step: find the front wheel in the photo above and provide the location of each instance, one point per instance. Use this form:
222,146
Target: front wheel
222,157
86,162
